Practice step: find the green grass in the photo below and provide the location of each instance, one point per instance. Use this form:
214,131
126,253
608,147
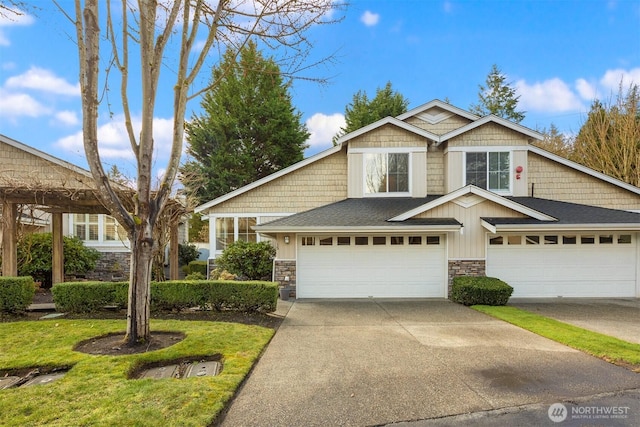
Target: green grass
603,346
96,390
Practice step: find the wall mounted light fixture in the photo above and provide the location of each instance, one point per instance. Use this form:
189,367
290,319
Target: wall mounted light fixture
286,240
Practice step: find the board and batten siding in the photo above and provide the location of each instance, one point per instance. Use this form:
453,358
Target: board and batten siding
472,243
319,183
552,180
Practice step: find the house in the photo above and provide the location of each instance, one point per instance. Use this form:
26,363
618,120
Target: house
40,192
400,207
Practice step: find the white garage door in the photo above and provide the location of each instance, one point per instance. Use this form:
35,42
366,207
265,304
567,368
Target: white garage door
371,266
569,265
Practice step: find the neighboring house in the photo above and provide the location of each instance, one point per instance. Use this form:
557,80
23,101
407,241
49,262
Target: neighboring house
402,206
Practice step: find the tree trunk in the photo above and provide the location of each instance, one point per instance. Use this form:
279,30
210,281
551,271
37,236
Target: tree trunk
138,312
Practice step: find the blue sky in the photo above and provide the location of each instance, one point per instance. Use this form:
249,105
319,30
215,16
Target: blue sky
559,55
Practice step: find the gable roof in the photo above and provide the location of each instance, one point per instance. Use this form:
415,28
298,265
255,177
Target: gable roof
388,121
362,214
35,152
439,104
490,119
472,189
570,216
577,166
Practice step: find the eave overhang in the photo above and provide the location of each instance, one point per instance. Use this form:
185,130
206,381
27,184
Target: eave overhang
556,227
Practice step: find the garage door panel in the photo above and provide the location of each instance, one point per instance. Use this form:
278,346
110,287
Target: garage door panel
565,270
371,271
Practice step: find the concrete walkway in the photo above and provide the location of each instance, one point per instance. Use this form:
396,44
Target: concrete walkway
376,362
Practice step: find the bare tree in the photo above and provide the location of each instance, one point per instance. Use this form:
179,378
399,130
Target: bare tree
609,140
153,25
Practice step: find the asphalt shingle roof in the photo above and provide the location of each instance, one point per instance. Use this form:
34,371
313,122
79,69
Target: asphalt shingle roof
375,212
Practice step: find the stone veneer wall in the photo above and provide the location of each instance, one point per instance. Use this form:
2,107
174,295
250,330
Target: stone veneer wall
282,269
111,267
474,267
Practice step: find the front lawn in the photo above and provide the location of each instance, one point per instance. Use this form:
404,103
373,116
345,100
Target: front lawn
96,390
603,346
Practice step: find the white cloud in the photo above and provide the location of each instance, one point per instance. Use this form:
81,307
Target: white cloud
15,105
322,128
13,17
67,118
551,95
369,18
44,80
113,141
586,90
612,79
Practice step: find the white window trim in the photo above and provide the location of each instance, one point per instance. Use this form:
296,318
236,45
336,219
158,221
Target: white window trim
212,229
487,150
387,151
100,244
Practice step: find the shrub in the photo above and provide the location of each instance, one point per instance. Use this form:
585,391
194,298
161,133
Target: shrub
218,274
87,297
34,257
195,276
470,290
16,293
173,295
250,260
187,253
196,267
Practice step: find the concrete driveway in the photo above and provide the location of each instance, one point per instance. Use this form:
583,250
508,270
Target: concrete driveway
619,318
375,362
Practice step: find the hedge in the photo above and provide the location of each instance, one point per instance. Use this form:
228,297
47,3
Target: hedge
196,267
470,290
253,296
16,293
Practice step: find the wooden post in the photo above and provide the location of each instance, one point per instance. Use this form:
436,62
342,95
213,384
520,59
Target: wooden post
57,252
173,252
9,239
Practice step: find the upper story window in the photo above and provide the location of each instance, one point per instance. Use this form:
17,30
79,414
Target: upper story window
386,173
489,170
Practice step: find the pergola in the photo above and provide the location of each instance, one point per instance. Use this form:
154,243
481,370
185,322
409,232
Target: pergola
31,177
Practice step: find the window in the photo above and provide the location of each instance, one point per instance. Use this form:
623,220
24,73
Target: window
550,240
489,170
86,227
326,241
112,230
379,240
514,240
362,240
587,240
624,239
498,240
245,232
308,241
532,240
415,240
569,240
345,241
397,240
231,229
433,240
606,239
386,173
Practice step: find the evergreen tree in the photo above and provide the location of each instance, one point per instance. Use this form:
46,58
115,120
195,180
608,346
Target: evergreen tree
249,128
497,98
555,142
362,111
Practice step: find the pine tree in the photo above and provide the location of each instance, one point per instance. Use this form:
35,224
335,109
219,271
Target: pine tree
362,111
249,128
497,98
